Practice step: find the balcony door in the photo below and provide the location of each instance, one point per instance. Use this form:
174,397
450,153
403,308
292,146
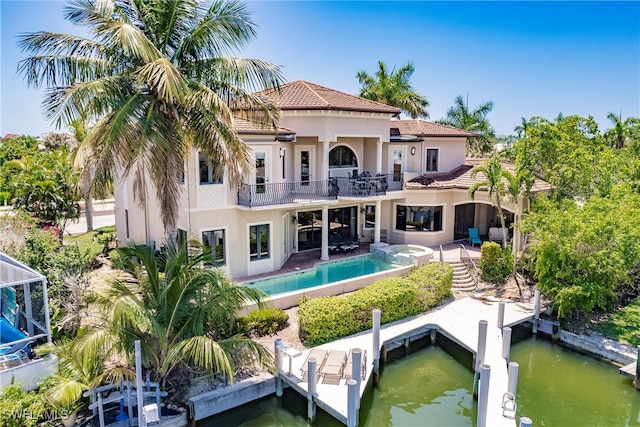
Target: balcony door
305,161
397,162
262,173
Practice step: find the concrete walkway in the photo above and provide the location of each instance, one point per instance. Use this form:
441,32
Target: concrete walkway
457,320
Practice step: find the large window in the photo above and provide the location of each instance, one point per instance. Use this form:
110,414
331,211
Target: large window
432,160
213,241
342,157
419,218
206,172
259,242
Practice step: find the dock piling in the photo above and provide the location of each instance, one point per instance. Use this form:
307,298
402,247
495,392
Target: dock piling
376,346
506,343
482,345
311,390
525,422
356,366
636,381
536,311
434,334
483,395
501,307
278,359
512,386
352,403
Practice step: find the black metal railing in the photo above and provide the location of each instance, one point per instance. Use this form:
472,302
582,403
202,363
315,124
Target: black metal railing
252,195
365,186
287,192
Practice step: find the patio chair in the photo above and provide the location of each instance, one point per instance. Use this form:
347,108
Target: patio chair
18,352
333,367
320,355
474,237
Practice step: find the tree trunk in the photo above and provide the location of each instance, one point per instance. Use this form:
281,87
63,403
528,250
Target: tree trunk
88,200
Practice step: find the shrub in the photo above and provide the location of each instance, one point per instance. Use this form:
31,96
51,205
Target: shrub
22,409
266,321
106,236
495,263
118,259
326,319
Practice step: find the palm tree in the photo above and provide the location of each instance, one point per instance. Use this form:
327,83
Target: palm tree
83,160
155,80
182,311
622,130
459,116
393,89
522,128
495,185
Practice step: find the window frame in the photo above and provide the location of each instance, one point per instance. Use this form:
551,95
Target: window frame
212,238
258,254
436,213
210,172
427,159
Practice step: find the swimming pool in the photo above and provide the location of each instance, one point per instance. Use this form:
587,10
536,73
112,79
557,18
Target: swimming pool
323,274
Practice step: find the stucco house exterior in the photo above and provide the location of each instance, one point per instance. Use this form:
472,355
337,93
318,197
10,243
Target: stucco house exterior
338,167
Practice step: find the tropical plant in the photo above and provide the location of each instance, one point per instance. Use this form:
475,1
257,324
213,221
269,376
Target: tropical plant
495,184
183,314
393,88
153,79
622,130
459,116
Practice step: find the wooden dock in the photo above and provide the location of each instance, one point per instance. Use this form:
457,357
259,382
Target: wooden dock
458,321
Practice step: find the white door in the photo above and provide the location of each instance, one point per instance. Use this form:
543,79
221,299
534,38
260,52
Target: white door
305,164
262,173
285,235
397,162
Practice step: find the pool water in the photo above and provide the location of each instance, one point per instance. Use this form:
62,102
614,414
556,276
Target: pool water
322,274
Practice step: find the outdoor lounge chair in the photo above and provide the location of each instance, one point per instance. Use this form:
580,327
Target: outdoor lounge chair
320,356
348,370
474,237
18,352
333,367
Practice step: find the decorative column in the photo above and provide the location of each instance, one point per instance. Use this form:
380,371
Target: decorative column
379,157
325,160
376,230
324,256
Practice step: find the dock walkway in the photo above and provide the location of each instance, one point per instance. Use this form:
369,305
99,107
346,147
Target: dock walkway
457,320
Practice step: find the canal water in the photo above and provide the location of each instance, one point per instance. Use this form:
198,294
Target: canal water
556,387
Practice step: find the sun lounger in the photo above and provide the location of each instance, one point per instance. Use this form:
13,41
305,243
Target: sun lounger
348,370
320,356
333,367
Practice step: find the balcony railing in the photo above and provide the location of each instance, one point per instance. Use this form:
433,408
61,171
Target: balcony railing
252,195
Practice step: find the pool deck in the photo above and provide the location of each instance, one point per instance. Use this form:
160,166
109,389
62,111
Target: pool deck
457,320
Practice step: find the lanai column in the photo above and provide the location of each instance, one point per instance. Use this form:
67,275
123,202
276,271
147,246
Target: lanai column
376,230
324,256
325,160
379,158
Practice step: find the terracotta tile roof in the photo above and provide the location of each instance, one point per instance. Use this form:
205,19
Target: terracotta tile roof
460,178
246,126
419,127
302,95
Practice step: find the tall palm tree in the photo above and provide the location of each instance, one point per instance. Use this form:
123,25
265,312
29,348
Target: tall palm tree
393,88
622,130
181,310
459,116
154,78
495,185
522,128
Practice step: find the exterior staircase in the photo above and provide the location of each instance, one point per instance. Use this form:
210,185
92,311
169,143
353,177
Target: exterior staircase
462,280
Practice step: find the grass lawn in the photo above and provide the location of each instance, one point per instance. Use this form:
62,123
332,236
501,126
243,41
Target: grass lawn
623,325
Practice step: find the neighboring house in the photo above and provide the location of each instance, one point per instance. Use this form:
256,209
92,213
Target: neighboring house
338,166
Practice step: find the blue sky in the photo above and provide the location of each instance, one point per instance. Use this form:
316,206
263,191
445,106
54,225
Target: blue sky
529,58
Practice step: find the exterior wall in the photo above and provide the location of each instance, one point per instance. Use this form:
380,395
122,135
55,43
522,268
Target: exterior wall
328,126
451,155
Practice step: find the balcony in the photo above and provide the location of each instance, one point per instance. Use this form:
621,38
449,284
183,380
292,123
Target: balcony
254,195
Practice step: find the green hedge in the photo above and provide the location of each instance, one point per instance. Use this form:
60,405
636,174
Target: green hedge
326,319
495,263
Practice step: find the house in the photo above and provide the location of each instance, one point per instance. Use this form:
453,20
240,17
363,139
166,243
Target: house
338,167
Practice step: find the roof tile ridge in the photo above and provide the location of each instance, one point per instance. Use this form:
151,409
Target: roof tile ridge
313,90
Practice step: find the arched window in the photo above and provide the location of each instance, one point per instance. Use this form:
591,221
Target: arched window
342,157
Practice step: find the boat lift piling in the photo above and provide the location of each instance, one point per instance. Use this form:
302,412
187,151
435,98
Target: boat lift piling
483,395
536,311
482,345
311,391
